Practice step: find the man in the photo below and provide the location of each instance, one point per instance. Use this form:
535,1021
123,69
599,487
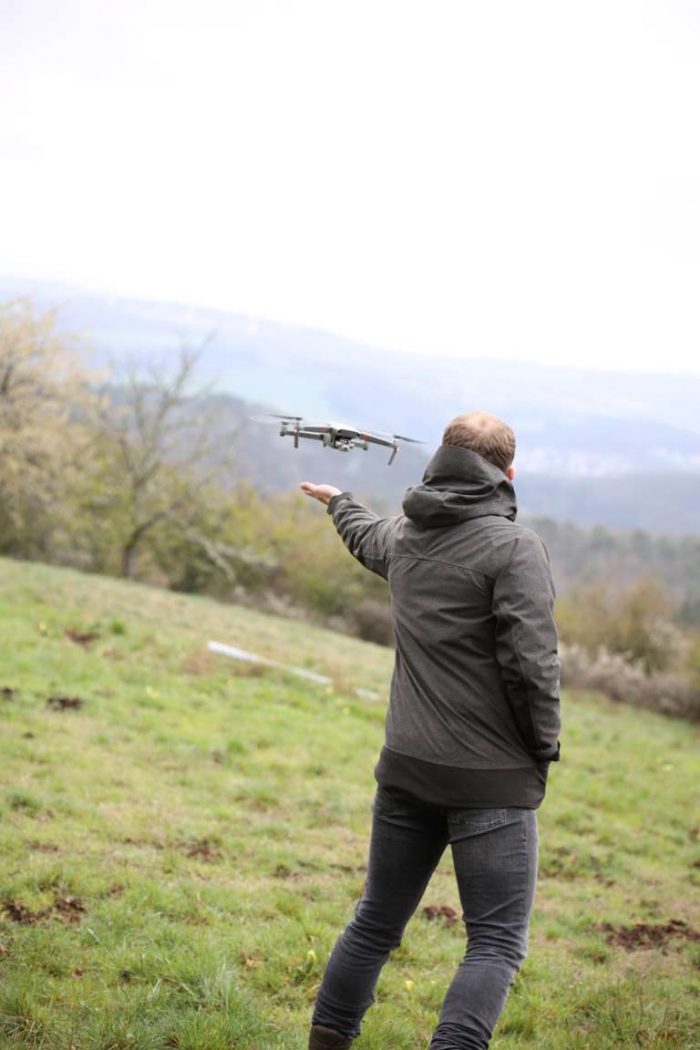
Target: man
472,725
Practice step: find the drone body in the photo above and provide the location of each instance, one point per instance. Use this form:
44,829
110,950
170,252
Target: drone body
337,435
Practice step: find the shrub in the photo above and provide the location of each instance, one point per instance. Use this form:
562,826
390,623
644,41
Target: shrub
634,622
670,692
372,621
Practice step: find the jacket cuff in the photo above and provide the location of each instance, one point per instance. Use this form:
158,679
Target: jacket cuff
334,500
549,757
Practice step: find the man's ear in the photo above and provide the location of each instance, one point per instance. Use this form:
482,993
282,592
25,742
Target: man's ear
510,473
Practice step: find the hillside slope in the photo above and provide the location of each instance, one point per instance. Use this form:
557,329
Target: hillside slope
183,837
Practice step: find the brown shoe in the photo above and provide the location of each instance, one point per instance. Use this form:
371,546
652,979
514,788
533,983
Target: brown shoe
326,1039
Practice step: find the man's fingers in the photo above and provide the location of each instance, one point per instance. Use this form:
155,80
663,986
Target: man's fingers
323,493
310,489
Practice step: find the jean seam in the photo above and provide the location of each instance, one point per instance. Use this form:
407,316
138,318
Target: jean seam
493,823
526,841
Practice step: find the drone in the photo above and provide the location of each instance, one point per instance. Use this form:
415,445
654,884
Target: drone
335,435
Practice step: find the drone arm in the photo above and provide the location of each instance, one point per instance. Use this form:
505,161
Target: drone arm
296,434
367,537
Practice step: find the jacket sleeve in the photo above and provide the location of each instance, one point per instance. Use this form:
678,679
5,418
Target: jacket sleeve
527,645
364,534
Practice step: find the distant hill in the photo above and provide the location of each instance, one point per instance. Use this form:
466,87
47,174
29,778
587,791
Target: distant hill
593,447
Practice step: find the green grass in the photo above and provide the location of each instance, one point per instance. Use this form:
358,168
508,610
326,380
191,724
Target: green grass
179,853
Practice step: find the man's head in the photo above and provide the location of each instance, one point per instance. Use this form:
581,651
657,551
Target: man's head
486,434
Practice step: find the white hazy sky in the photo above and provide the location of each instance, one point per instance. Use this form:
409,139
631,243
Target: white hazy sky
511,179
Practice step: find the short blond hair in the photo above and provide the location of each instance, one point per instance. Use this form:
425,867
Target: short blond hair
483,433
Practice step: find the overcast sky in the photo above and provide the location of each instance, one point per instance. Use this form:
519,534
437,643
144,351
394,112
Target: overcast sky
480,178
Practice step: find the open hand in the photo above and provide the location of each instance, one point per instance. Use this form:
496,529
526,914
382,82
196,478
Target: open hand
322,493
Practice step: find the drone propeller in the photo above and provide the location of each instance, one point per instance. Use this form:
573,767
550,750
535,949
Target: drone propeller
270,416
301,421
394,437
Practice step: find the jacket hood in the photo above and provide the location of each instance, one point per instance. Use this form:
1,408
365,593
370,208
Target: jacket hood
458,485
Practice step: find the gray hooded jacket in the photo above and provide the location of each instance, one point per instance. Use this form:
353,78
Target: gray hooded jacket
474,712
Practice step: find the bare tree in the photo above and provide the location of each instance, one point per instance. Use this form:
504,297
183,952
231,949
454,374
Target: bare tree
159,446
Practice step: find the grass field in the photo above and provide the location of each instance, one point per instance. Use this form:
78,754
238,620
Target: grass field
183,837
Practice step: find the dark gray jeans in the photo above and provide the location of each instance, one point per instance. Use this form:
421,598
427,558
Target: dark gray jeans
495,855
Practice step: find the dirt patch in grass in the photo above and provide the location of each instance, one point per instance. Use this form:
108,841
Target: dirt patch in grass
20,913
647,935
71,908
348,867
283,872
205,849
81,637
7,693
440,911
323,865
68,908
151,843
60,702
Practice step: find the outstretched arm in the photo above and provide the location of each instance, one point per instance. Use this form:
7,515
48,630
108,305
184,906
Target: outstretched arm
363,533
